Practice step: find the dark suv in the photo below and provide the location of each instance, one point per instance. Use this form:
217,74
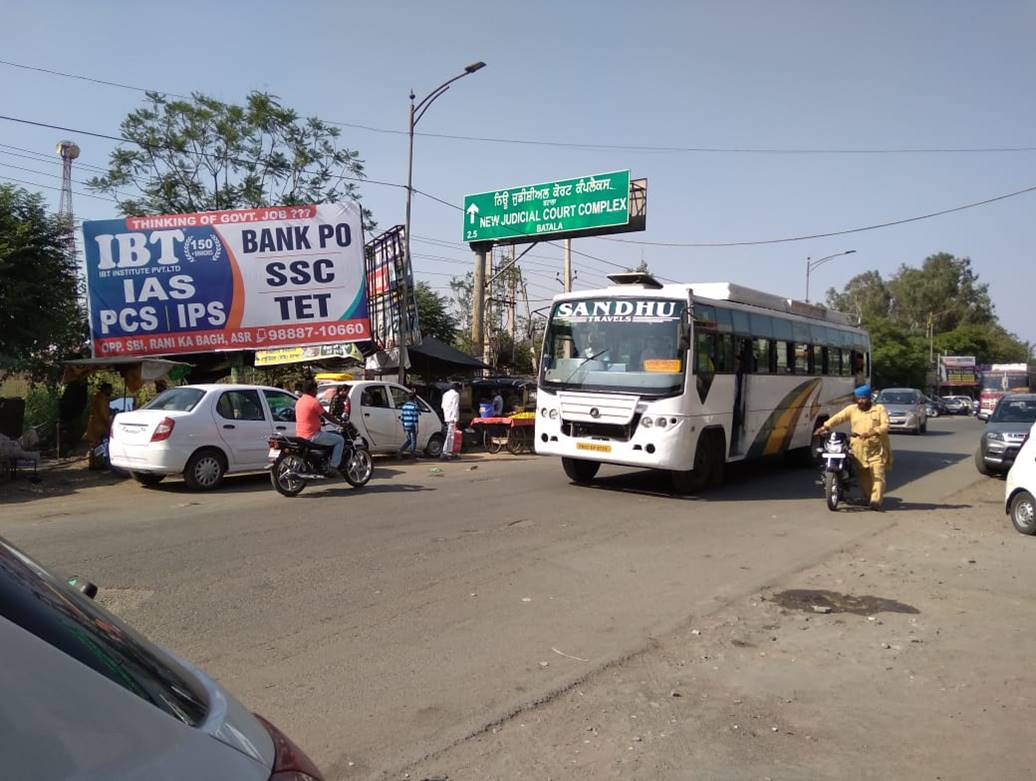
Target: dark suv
1006,430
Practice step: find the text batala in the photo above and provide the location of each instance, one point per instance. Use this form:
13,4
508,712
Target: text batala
618,310
232,280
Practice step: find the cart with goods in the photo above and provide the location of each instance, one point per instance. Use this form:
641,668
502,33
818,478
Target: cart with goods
515,432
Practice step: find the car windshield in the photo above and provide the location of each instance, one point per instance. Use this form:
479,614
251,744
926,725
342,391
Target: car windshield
615,344
897,397
176,400
1015,411
45,606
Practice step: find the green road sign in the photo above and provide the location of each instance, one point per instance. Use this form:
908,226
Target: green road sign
597,201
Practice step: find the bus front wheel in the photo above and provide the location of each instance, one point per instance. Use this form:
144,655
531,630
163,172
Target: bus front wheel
709,463
580,471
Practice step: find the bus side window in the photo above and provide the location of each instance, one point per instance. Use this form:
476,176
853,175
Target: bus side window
704,361
760,356
785,358
801,358
819,360
725,353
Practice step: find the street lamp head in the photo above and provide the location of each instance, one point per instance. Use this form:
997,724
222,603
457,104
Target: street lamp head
474,67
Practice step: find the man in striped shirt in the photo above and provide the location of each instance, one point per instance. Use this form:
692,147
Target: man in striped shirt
409,415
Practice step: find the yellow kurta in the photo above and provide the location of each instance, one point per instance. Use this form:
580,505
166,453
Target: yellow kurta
874,454
874,449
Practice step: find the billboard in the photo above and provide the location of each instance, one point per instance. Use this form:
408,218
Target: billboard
957,370
246,279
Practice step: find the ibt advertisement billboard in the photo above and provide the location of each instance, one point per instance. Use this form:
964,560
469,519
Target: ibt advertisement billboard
245,279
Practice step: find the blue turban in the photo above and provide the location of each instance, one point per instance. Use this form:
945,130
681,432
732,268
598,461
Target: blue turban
862,391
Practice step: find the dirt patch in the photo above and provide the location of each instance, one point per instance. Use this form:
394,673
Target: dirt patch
834,602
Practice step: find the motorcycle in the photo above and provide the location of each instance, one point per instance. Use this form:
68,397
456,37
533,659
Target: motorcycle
293,462
838,474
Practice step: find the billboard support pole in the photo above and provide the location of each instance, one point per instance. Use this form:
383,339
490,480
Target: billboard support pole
568,266
478,293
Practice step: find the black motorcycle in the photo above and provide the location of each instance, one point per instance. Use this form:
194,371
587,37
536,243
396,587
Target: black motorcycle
838,473
293,462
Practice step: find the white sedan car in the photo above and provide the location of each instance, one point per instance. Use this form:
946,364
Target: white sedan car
374,409
1020,493
202,432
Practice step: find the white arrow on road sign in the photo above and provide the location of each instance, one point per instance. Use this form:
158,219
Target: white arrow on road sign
472,211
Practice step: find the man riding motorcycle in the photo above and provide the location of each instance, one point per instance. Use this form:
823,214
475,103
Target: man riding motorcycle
308,416
871,450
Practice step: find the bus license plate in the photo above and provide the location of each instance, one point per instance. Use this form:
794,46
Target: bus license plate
594,447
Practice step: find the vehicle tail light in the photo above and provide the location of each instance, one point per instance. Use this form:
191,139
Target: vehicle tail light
163,430
274,443
290,763
347,408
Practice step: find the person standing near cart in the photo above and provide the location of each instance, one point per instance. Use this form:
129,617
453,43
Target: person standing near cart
451,416
410,416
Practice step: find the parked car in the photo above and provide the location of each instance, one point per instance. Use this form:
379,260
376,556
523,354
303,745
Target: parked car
1005,431
202,432
85,696
906,409
1021,487
373,407
935,406
958,405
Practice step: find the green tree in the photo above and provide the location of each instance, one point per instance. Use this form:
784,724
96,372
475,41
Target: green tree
41,321
988,343
866,296
433,312
202,154
899,357
944,291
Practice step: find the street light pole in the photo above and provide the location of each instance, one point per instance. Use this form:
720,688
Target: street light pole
416,112
813,264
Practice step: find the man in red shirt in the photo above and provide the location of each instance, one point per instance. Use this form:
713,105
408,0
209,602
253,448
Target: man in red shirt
308,415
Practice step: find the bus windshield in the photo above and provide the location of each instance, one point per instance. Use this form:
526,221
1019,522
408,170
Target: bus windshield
615,344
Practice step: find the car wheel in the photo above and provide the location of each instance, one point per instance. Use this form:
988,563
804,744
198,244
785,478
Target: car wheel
434,447
205,470
1023,512
579,471
980,463
147,479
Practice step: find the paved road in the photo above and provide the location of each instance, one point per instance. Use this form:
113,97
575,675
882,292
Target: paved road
380,626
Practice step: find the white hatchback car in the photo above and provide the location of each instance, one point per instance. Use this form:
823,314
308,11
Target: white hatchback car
1019,494
202,432
374,410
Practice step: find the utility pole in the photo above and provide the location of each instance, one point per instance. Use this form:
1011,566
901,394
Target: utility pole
567,272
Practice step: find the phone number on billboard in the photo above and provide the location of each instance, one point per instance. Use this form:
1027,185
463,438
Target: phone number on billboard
343,330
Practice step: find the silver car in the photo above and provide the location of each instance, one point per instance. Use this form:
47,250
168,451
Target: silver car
906,409
84,696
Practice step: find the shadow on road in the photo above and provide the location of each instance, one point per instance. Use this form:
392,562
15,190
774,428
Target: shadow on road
770,480
370,488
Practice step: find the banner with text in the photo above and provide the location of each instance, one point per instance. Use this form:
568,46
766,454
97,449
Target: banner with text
245,279
957,370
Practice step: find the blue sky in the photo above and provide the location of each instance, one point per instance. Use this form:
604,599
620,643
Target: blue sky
790,75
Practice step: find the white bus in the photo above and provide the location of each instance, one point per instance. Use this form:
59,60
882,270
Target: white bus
689,377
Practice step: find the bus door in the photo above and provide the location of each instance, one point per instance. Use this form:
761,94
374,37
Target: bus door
742,368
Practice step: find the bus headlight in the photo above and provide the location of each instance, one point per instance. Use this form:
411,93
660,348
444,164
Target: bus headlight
553,414
646,422
662,422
